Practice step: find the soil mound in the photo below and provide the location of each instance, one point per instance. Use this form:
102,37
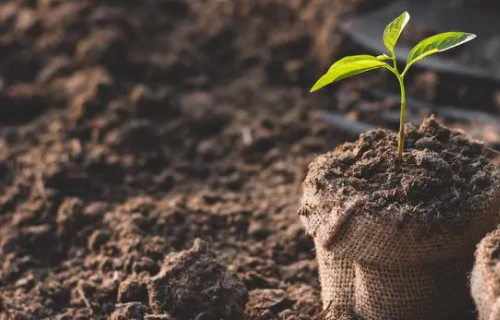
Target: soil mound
192,285
443,173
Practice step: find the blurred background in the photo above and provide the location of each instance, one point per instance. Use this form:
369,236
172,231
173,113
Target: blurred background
130,128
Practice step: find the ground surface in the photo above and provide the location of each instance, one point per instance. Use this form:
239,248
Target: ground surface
129,129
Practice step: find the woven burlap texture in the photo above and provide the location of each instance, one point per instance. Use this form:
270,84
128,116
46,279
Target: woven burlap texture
485,277
400,272
337,287
340,230
423,292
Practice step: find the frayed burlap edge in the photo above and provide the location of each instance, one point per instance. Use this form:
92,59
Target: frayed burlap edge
388,244
337,239
485,277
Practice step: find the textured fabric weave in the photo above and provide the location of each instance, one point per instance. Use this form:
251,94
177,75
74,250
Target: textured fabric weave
337,286
398,272
422,292
389,244
485,277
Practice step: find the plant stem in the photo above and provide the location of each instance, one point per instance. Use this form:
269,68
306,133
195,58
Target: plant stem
401,137
395,63
400,77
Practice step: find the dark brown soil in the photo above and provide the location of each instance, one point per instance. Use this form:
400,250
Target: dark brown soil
443,174
192,285
128,129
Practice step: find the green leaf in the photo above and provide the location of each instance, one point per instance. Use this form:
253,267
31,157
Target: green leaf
394,29
348,67
438,43
383,57
351,59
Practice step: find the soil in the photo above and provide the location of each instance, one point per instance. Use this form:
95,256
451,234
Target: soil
130,129
441,170
192,285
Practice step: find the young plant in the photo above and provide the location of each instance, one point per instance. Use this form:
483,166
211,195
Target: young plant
353,65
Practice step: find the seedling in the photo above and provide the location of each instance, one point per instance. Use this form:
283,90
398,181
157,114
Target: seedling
353,65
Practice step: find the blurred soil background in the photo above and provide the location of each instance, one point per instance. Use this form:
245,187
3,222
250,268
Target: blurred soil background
130,128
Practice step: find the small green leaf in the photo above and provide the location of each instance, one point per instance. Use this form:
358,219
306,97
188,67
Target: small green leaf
383,57
394,29
438,43
348,67
351,59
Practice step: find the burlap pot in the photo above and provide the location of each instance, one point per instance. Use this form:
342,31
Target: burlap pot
410,260
339,230
393,277
485,278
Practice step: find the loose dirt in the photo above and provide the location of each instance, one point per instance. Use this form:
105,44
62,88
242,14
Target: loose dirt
443,174
129,129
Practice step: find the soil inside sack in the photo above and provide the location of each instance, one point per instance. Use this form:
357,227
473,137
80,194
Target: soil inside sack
442,171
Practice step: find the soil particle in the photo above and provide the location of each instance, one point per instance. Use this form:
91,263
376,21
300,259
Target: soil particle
304,271
133,289
105,46
269,301
164,316
192,285
130,311
69,215
442,170
279,304
97,239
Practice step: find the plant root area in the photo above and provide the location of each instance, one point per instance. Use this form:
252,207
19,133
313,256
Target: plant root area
441,171
152,154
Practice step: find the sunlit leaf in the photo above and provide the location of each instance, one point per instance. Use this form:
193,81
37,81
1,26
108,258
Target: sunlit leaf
351,59
394,29
383,57
438,43
348,67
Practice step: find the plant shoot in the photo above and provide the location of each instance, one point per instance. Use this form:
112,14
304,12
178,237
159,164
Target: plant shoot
353,65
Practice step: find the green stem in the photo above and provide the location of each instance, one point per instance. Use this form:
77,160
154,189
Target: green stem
395,62
401,137
405,71
400,77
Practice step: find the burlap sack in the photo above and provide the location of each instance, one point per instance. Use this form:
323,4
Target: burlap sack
495,311
423,292
401,272
485,277
339,230
337,287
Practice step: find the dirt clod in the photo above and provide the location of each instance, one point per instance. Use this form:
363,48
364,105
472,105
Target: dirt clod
270,301
164,316
130,311
192,285
97,239
133,290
